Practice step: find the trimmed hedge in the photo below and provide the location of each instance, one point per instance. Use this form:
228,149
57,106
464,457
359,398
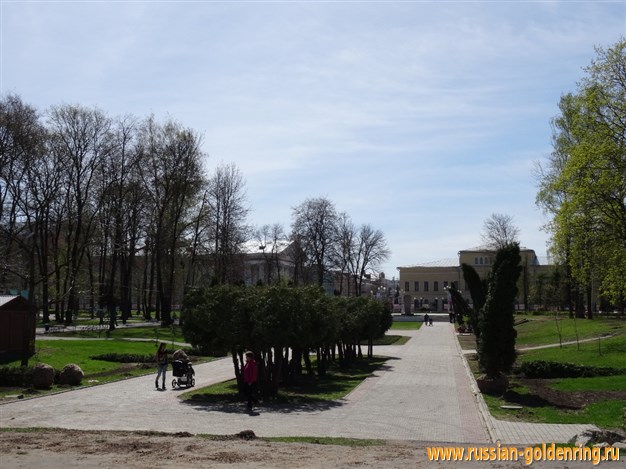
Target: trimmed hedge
124,358
16,375
135,358
540,369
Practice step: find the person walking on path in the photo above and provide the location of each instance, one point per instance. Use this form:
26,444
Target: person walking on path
250,372
161,359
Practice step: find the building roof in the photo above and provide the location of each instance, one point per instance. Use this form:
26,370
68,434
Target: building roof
5,299
486,248
449,262
256,247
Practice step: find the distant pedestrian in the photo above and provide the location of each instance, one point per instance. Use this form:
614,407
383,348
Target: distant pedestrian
250,375
426,319
161,359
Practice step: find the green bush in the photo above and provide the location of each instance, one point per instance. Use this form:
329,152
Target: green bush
540,369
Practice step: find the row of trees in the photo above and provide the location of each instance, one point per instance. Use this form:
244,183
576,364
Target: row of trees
105,213
330,241
282,326
582,187
98,207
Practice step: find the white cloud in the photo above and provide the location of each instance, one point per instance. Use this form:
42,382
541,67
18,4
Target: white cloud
422,118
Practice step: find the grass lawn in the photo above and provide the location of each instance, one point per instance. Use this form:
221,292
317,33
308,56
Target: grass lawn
604,414
310,390
406,325
389,339
542,330
58,353
596,383
604,353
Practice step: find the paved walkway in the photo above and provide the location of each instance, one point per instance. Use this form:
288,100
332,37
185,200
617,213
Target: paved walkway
425,393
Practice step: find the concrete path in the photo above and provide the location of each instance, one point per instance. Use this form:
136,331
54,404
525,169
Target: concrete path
424,393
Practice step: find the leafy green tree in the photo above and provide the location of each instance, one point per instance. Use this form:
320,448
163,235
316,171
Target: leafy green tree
583,185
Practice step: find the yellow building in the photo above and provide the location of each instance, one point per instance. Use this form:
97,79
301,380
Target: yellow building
425,285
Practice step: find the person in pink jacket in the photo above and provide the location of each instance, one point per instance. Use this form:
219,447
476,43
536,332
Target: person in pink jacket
250,374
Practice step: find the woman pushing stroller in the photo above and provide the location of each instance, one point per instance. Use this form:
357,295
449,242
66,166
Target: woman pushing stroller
161,359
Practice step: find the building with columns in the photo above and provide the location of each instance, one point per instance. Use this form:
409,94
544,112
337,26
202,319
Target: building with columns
425,285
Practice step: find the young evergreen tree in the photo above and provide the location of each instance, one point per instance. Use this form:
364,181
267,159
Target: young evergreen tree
496,345
477,288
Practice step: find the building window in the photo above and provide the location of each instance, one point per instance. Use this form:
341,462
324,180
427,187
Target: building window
417,286
426,285
476,261
406,286
435,286
481,261
445,284
454,286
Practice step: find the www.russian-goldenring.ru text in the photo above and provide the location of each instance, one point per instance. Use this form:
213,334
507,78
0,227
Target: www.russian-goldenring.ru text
529,454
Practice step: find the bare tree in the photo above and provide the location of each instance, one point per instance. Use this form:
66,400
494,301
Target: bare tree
119,218
271,240
227,221
499,231
81,141
370,250
343,250
21,144
315,225
173,179
199,242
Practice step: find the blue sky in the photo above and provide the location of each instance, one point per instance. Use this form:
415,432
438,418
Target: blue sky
421,118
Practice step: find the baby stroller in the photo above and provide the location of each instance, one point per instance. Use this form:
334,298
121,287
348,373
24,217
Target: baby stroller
183,373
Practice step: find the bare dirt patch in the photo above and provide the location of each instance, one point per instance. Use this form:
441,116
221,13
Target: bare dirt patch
542,395
141,450
146,450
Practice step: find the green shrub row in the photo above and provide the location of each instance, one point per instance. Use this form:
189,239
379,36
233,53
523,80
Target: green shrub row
540,369
283,326
124,358
16,375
